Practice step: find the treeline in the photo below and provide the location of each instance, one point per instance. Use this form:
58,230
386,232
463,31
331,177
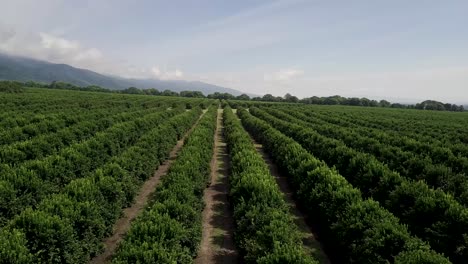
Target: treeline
354,101
130,90
11,87
288,98
439,106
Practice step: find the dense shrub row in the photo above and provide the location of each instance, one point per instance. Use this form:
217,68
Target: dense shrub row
49,143
11,87
19,111
430,214
265,230
450,153
28,184
170,228
68,227
430,148
438,167
49,124
38,105
356,230
443,130
449,128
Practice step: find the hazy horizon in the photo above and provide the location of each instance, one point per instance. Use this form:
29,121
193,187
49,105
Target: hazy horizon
398,50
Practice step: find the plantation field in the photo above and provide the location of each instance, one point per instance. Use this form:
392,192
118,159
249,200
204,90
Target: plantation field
88,177
399,173
71,161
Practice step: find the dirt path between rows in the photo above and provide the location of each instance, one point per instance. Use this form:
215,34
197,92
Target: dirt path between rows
122,225
311,245
217,245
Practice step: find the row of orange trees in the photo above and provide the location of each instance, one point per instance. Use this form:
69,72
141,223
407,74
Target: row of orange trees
433,129
69,225
169,230
265,230
355,229
40,110
38,106
26,185
430,214
441,152
49,142
437,166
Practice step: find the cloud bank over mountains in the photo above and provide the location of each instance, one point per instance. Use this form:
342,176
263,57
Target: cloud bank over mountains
48,47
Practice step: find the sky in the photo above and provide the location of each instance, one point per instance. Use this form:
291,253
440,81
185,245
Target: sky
396,49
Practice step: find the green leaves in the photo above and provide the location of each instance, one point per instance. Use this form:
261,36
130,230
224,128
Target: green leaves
51,238
170,229
428,213
265,230
78,196
13,248
360,230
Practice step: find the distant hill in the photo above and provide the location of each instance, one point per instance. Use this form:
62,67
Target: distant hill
26,69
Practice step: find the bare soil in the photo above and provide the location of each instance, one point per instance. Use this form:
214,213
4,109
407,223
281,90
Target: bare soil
217,245
123,224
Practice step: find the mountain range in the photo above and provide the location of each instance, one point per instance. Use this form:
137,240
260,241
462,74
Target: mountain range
27,69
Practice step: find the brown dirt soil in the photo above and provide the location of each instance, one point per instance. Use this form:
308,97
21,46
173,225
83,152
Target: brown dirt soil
122,225
217,245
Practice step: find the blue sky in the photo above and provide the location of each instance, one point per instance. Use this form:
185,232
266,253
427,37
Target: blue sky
400,50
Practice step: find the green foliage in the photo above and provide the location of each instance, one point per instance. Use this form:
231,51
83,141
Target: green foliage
79,192
439,106
285,254
437,165
360,230
89,206
50,238
243,97
430,214
132,90
419,257
266,232
13,248
154,238
11,87
221,96
354,101
196,94
170,229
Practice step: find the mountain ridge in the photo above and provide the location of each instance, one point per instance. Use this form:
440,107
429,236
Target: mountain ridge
27,69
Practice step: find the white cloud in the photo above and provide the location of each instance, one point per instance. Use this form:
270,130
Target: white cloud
89,54
166,74
62,45
283,75
70,51
57,49
154,72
